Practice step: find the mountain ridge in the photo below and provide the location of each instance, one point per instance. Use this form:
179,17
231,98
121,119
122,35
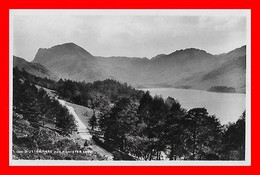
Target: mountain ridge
181,68
34,68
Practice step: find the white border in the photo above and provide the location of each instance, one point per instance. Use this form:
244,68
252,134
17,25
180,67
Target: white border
174,12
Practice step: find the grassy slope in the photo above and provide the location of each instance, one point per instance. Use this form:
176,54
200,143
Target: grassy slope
84,114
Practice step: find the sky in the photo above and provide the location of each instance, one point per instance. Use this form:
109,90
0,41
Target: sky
127,35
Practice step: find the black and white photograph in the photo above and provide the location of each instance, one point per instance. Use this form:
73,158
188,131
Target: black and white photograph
130,87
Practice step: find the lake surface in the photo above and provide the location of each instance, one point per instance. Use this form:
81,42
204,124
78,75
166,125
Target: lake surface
226,106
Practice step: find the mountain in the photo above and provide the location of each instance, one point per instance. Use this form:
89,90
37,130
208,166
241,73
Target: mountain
33,68
188,68
232,72
225,70
169,69
70,61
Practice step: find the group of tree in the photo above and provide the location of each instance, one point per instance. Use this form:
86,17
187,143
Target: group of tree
153,129
234,139
146,127
84,93
42,127
38,108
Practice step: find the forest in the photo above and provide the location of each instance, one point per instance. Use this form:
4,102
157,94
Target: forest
130,123
41,124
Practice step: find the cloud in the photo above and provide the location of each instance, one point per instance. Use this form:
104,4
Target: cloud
128,35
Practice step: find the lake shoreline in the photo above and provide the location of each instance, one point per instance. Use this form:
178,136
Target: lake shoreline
228,107
144,88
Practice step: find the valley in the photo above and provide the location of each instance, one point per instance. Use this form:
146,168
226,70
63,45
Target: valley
109,120
190,68
117,108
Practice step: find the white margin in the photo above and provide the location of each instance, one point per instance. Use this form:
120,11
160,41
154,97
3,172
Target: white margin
10,86
175,12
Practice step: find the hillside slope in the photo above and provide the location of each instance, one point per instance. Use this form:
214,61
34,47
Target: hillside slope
33,68
189,68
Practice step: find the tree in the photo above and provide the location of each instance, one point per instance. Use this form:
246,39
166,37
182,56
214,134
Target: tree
139,146
145,106
119,122
100,106
155,121
65,121
234,140
174,135
203,132
68,94
98,102
93,121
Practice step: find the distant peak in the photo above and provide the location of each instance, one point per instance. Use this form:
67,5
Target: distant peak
241,50
16,57
17,60
59,51
71,44
190,51
67,47
158,56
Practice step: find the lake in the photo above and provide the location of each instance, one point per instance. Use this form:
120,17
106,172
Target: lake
226,106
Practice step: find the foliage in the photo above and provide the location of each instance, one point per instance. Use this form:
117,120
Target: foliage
127,121
41,126
234,140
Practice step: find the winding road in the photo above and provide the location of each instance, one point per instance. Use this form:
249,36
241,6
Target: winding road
79,112
83,130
